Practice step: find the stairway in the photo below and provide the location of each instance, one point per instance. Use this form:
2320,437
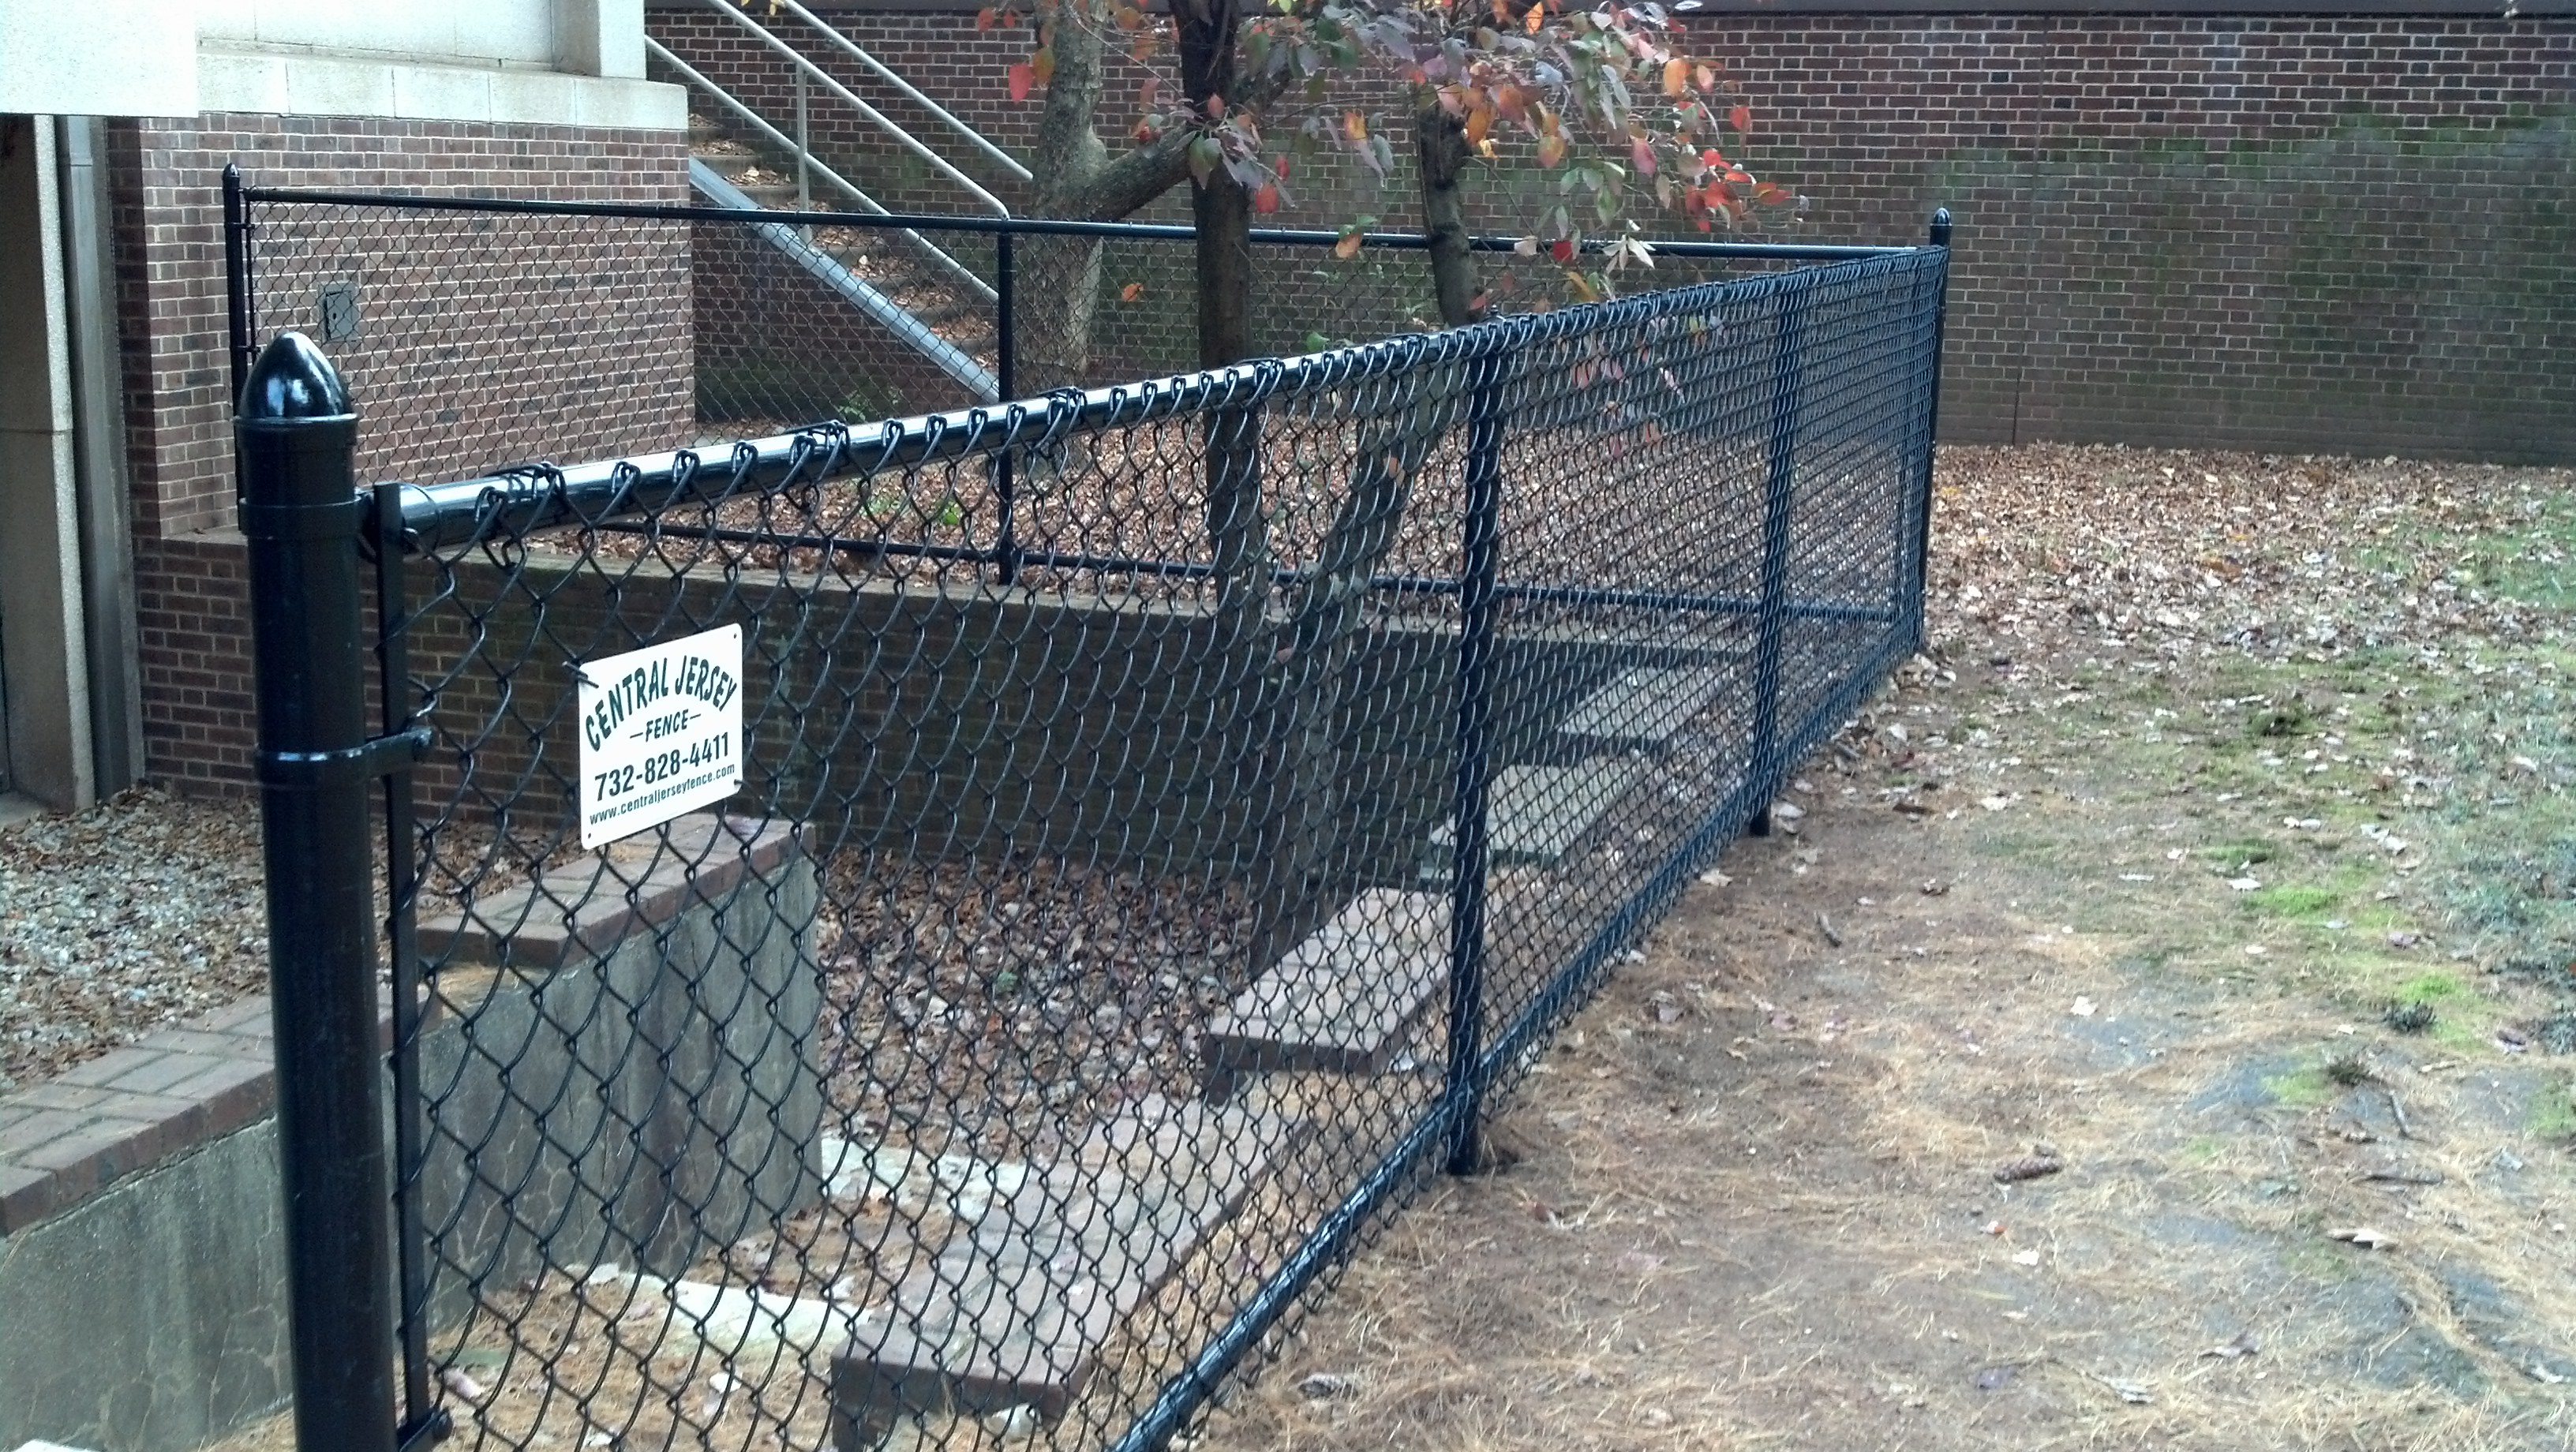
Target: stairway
1047,1265
880,271
1348,998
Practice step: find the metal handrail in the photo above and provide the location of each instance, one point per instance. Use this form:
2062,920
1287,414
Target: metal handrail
849,97
910,92
689,73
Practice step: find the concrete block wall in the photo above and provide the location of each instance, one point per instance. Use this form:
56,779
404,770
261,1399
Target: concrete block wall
2311,232
970,721
139,1197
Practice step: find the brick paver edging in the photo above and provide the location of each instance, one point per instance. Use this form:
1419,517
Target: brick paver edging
103,1122
126,1111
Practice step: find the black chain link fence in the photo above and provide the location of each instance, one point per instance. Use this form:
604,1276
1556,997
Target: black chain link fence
506,331
1160,817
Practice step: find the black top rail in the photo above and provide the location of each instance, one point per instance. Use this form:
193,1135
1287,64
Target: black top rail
1016,226
539,496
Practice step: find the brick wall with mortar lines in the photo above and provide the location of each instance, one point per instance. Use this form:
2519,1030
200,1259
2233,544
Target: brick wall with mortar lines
775,347
2350,233
459,361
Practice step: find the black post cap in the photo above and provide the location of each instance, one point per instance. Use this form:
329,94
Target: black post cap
293,383
1941,227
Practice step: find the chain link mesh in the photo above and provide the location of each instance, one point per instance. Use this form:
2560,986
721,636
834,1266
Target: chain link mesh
1168,811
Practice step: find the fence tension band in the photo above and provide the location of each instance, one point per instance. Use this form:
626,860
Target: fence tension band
339,519
426,1431
309,770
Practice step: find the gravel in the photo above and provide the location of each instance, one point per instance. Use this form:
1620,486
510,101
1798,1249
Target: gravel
141,912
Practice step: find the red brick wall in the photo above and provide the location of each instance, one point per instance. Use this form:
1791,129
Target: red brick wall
776,347
481,341
2338,233
192,603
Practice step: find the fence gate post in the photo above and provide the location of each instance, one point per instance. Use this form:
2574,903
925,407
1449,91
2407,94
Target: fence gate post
301,514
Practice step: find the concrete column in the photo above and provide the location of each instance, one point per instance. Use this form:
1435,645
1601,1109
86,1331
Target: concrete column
44,651
106,498
600,38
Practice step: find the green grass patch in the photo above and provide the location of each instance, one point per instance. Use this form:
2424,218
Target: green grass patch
2302,1088
2292,901
2431,988
2244,852
2553,1113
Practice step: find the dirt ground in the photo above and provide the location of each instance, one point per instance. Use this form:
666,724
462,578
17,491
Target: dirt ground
2156,1033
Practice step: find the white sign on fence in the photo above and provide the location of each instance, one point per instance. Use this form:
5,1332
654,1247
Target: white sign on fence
661,732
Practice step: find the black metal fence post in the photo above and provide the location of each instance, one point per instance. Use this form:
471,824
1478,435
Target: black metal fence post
1779,498
302,517
237,284
1470,847
1939,236
402,937
1005,383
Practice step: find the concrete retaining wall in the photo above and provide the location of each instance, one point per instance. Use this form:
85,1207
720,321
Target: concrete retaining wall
142,1272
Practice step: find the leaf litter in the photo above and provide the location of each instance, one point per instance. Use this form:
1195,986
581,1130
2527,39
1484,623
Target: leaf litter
2251,721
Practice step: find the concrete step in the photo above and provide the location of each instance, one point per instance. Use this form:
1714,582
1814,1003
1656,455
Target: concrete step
1016,1307
1641,709
771,196
1340,1001
1536,814
727,164
953,309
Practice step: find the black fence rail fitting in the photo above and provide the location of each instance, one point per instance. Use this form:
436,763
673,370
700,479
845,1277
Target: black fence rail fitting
1089,856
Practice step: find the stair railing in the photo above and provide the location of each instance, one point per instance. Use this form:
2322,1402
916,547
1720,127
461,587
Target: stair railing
850,98
851,48
947,263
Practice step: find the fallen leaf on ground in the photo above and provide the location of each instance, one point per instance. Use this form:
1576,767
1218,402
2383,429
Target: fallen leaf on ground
2031,1168
2243,1345
2364,1236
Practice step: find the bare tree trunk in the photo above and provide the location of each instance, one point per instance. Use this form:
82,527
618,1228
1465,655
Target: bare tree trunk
1440,144
1223,213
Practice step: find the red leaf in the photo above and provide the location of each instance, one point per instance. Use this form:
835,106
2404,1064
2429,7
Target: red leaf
984,18
1741,118
1266,198
1770,192
1642,152
1023,76
1562,249
1131,292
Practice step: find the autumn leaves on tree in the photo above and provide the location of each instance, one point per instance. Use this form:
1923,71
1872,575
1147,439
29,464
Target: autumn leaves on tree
1605,100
